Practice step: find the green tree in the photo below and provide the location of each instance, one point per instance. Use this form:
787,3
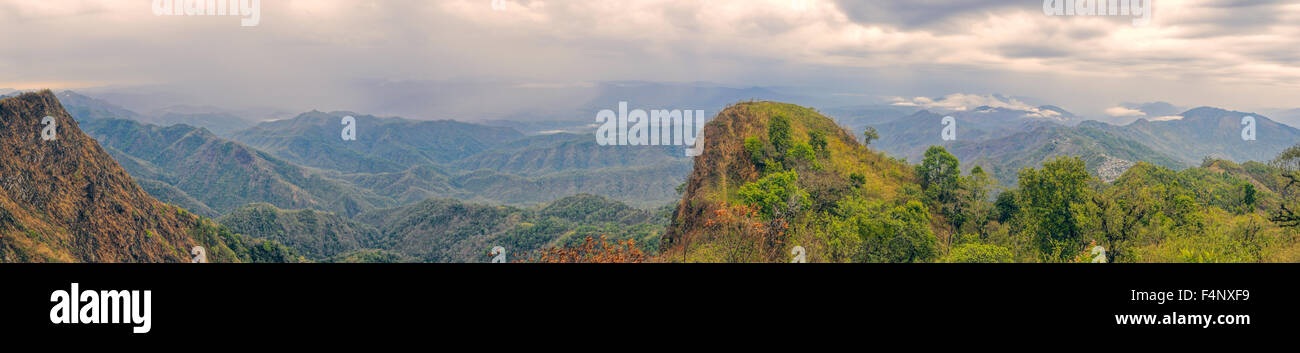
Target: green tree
778,133
1248,197
802,152
939,172
887,234
869,135
1289,163
757,151
817,139
1049,198
913,241
778,199
775,196
940,175
972,207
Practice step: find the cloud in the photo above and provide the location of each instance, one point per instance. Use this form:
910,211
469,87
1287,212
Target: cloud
967,102
1123,112
1167,118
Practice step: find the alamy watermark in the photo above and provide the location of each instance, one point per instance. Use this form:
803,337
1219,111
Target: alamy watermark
658,127
1248,132
51,130
250,10
1140,10
949,132
349,132
75,306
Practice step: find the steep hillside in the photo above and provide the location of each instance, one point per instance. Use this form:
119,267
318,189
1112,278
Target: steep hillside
223,175
66,200
382,144
758,190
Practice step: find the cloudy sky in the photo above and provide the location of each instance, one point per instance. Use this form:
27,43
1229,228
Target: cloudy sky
1243,55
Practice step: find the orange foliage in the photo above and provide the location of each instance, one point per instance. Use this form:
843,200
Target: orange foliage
594,251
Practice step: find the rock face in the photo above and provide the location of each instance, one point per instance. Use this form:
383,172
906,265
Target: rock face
66,200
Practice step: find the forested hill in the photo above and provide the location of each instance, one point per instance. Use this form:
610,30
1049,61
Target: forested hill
779,182
774,176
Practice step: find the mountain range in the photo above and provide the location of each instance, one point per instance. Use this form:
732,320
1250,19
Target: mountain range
1005,140
303,163
446,191
221,175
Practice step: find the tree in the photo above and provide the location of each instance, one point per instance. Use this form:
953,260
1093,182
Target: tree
1116,215
1006,206
1048,199
1289,162
1248,197
817,139
757,152
775,195
778,133
887,233
869,135
972,206
940,175
778,199
939,172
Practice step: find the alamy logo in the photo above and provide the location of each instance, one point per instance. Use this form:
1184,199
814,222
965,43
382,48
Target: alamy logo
51,130
199,255
102,307
349,128
1139,9
251,10
949,132
656,128
498,254
1248,132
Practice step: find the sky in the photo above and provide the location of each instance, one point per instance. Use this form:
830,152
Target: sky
1240,55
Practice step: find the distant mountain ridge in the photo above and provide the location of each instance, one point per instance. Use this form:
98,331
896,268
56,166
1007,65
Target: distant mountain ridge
382,145
1005,140
224,175
1106,155
1209,131
414,160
